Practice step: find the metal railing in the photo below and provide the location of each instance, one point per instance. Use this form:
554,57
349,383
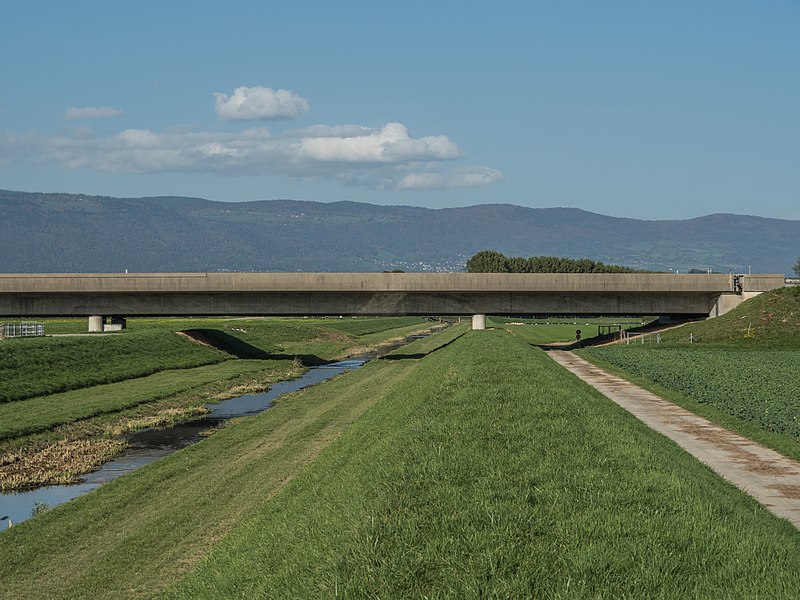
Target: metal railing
24,329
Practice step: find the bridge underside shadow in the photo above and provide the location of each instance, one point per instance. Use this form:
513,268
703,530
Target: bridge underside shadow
240,349
357,304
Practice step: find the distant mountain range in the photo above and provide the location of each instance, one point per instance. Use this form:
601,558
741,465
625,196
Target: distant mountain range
77,233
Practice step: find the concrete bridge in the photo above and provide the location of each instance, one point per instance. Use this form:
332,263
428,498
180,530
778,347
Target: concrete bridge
103,296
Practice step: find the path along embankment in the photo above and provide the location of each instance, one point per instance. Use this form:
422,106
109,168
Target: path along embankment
769,477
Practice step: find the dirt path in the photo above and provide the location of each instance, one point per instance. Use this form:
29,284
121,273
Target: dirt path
767,476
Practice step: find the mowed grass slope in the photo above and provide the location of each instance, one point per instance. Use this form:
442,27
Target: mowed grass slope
38,366
367,325
137,535
39,414
110,373
770,320
421,347
481,470
315,340
492,472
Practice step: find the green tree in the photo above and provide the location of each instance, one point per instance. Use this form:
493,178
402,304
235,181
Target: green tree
797,267
488,261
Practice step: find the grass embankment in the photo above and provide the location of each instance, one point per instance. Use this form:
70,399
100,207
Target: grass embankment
32,367
38,366
741,372
482,470
140,533
36,429
770,321
363,326
492,472
423,347
39,414
314,340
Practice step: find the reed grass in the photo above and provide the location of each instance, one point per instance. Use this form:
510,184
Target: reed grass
59,463
161,419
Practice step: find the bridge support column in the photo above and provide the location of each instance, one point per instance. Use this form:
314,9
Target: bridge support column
478,322
96,324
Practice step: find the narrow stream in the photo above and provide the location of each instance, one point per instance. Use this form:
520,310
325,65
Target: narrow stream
148,445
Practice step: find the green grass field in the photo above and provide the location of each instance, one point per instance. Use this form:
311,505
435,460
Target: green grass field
366,325
45,412
446,494
537,331
481,470
38,366
761,386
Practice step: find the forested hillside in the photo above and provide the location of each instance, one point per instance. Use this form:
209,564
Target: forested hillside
78,233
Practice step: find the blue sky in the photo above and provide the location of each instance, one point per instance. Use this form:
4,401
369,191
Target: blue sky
641,109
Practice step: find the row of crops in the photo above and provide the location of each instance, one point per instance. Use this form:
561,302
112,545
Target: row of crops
762,386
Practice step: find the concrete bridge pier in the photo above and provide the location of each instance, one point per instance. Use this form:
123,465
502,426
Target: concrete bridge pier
96,323
478,322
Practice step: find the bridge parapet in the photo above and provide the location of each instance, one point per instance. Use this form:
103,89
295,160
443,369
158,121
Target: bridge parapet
365,282
762,282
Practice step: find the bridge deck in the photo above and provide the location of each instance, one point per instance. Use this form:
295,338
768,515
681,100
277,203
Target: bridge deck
183,294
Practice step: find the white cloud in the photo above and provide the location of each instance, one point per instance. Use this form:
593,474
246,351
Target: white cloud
329,131
253,103
253,150
439,180
380,158
92,112
390,144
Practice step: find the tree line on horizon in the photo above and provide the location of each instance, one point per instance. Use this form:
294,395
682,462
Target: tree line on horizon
490,261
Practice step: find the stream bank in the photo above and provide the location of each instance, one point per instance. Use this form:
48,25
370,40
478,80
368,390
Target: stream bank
148,445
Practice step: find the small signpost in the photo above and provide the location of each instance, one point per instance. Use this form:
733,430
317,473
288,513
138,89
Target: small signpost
578,335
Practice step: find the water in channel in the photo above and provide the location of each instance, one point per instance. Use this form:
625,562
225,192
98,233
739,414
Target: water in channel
149,445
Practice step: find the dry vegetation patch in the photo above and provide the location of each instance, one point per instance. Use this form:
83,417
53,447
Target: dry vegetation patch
163,418
58,463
